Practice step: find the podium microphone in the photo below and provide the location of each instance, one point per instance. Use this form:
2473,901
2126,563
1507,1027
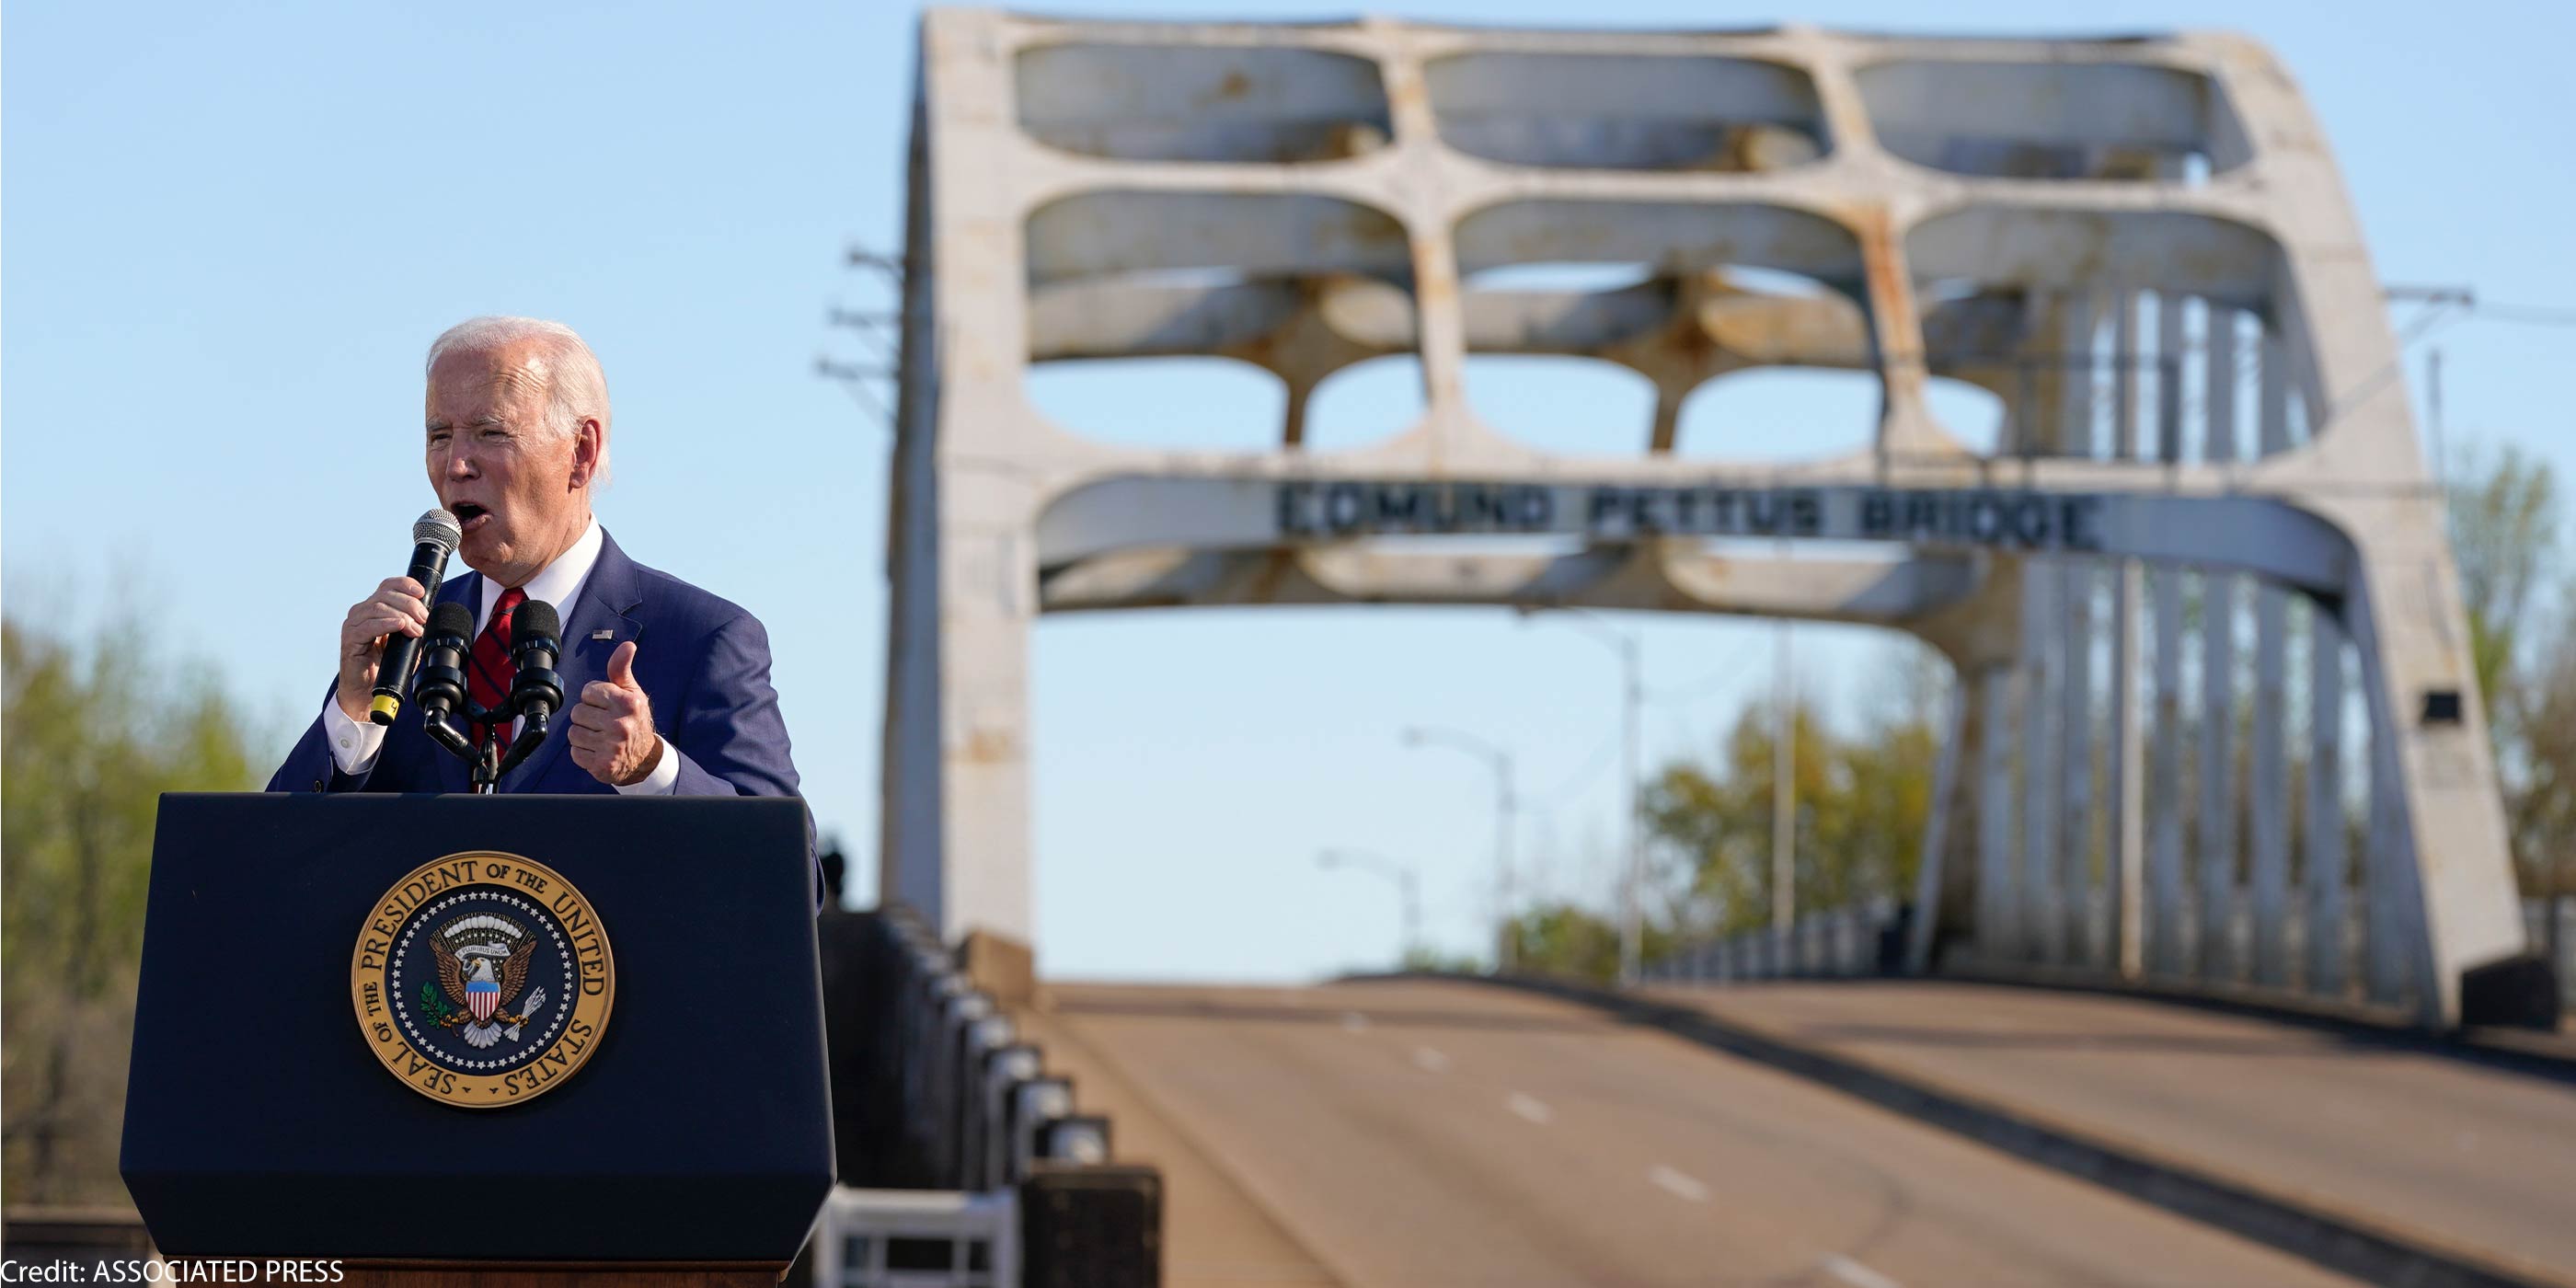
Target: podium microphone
434,538
442,688
536,644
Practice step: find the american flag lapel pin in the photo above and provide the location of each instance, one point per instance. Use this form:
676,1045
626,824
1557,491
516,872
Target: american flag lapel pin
603,635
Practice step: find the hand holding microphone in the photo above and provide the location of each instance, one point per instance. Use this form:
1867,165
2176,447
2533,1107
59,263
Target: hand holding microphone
380,638
387,633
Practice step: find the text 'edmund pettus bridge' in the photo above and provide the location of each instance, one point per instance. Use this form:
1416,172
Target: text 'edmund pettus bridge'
2018,519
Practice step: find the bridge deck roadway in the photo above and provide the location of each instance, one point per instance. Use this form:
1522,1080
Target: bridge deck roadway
2401,1138
1417,1134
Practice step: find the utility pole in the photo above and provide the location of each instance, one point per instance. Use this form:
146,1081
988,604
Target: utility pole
1632,911
880,332
1784,792
1632,883
1408,887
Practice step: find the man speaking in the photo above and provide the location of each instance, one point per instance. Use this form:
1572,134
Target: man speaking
667,687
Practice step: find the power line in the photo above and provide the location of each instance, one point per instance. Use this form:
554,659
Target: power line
2525,314
1677,695
877,331
1711,682
1582,777
2465,298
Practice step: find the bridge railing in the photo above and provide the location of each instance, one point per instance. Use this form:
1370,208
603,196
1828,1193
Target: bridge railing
978,1105
964,1162
1860,939
2561,947
1869,938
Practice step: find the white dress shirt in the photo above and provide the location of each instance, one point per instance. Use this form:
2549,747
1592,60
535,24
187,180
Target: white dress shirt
354,743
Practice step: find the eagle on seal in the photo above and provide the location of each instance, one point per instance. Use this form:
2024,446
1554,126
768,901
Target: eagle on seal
482,971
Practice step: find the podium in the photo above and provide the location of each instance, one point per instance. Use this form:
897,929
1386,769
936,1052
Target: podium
462,1040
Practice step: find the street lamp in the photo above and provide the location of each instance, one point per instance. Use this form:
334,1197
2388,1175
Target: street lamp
1407,885
1632,703
1500,761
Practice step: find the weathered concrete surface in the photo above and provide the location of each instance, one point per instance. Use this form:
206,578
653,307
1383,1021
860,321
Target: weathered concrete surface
1422,1133
2392,1134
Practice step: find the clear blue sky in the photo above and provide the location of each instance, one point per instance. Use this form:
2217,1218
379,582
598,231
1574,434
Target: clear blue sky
230,231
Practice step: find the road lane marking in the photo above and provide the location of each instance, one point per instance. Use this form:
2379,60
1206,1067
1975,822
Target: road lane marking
1854,1273
1532,1108
1680,1185
1354,1022
1430,1060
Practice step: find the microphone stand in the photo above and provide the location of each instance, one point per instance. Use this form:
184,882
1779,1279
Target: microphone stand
535,691
487,764
532,733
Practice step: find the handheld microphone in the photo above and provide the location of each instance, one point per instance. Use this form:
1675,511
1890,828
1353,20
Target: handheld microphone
434,538
537,693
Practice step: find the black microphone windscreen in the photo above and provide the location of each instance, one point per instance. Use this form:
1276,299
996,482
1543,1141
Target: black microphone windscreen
535,618
452,618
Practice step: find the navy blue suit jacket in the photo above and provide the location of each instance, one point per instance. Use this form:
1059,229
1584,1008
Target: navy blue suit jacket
703,662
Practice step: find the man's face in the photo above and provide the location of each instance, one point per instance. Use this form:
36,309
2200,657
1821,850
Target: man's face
519,493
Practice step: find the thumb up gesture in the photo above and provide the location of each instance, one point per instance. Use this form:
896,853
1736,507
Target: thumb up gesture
612,727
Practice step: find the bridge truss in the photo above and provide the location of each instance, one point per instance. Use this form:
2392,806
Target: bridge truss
2216,722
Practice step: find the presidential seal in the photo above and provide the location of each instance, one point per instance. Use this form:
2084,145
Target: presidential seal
482,979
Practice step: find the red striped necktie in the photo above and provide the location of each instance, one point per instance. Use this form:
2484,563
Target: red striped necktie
488,685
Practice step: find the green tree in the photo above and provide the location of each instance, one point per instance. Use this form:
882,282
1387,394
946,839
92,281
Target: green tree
91,733
1861,805
1713,820
1566,940
1435,961
2504,522
2505,518
2540,806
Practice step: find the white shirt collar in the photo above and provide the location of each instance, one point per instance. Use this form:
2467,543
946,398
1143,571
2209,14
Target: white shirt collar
559,583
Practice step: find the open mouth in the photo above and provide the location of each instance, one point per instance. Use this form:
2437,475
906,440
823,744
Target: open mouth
469,516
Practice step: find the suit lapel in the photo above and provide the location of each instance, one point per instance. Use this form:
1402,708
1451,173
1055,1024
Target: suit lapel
453,774
600,622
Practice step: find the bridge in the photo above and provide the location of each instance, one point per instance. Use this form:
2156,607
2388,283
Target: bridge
2215,925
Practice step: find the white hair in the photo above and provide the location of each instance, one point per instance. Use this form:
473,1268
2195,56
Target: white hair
576,389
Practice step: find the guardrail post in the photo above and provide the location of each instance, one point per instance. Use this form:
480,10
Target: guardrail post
1034,1103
